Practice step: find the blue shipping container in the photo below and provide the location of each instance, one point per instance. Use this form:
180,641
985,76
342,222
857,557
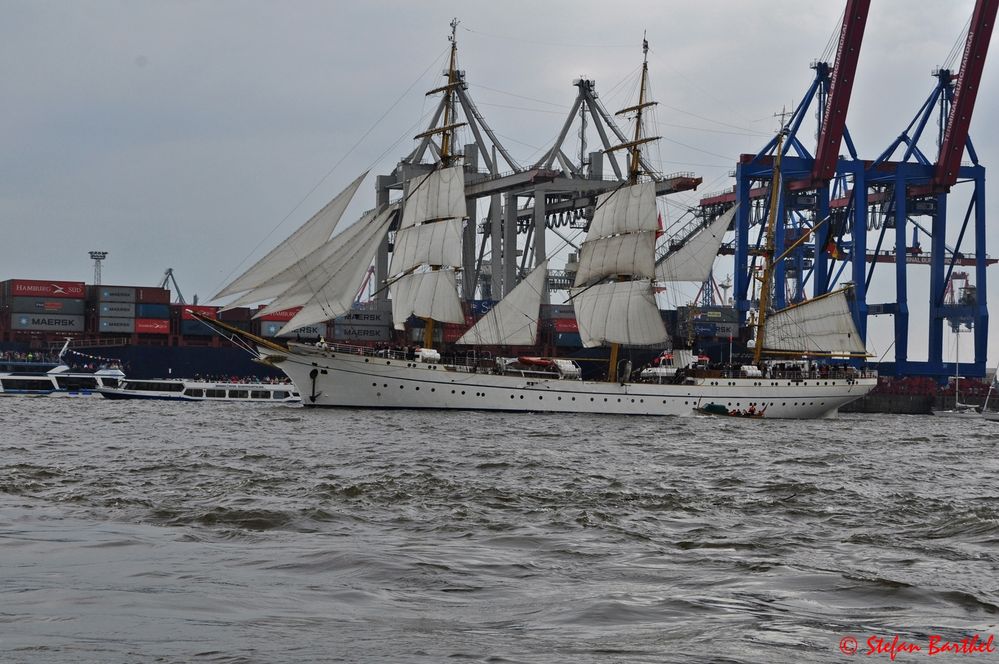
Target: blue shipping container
194,328
152,311
568,339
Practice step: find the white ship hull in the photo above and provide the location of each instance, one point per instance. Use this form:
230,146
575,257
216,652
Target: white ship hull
338,378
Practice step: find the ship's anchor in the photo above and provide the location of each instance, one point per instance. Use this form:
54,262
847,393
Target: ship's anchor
315,395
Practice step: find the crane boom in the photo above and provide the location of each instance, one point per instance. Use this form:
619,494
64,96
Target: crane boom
844,71
965,92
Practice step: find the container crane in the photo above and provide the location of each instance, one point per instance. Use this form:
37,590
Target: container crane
168,278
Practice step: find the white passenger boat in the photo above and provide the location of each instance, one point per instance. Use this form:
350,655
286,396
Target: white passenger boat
56,379
180,389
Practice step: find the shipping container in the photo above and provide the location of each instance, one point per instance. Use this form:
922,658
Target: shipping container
115,325
565,325
147,295
186,309
481,307
46,322
116,310
365,318
237,314
46,289
35,305
346,332
152,311
114,293
271,328
283,316
569,339
152,325
195,328
553,311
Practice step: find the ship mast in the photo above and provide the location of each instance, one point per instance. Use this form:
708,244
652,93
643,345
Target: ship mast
769,250
634,165
447,138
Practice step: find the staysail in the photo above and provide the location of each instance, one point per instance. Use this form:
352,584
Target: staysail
820,326
514,319
328,290
296,272
302,242
694,259
428,248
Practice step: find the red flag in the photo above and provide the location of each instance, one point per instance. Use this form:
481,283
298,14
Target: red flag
660,232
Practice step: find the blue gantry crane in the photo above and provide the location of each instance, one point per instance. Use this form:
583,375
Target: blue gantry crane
833,204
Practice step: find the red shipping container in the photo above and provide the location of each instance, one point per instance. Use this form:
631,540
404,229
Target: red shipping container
37,288
152,326
186,309
565,325
237,314
152,295
284,315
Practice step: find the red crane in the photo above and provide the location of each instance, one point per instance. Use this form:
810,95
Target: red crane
969,79
851,36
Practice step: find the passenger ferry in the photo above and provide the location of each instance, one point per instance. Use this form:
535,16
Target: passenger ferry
180,389
39,377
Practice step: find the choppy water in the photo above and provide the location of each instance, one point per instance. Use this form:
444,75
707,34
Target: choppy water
158,532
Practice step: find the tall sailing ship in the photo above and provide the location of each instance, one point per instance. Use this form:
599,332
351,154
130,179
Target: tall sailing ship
613,294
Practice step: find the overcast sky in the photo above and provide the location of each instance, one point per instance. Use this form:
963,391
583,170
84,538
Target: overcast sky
182,134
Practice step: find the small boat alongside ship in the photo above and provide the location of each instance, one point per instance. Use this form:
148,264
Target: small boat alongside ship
180,389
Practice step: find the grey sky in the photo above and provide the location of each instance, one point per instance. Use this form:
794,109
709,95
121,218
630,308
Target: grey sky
180,134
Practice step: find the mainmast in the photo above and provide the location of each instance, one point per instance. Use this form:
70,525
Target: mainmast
634,167
446,130
769,249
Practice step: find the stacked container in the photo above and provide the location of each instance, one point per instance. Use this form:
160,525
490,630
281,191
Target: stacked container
31,305
370,322
114,309
189,325
152,311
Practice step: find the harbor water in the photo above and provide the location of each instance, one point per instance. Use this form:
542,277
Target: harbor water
211,532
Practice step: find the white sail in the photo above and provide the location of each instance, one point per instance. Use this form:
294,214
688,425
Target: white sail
302,242
336,296
628,209
281,282
693,260
514,319
427,295
623,312
439,195
436,243
629,253
822,326
332,285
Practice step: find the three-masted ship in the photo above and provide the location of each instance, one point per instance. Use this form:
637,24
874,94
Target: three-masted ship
614,300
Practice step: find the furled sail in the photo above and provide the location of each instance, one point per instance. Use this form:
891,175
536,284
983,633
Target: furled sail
623,312
290,276
621,237
427,295
302,242
328,290
820,326
694,259
514,319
